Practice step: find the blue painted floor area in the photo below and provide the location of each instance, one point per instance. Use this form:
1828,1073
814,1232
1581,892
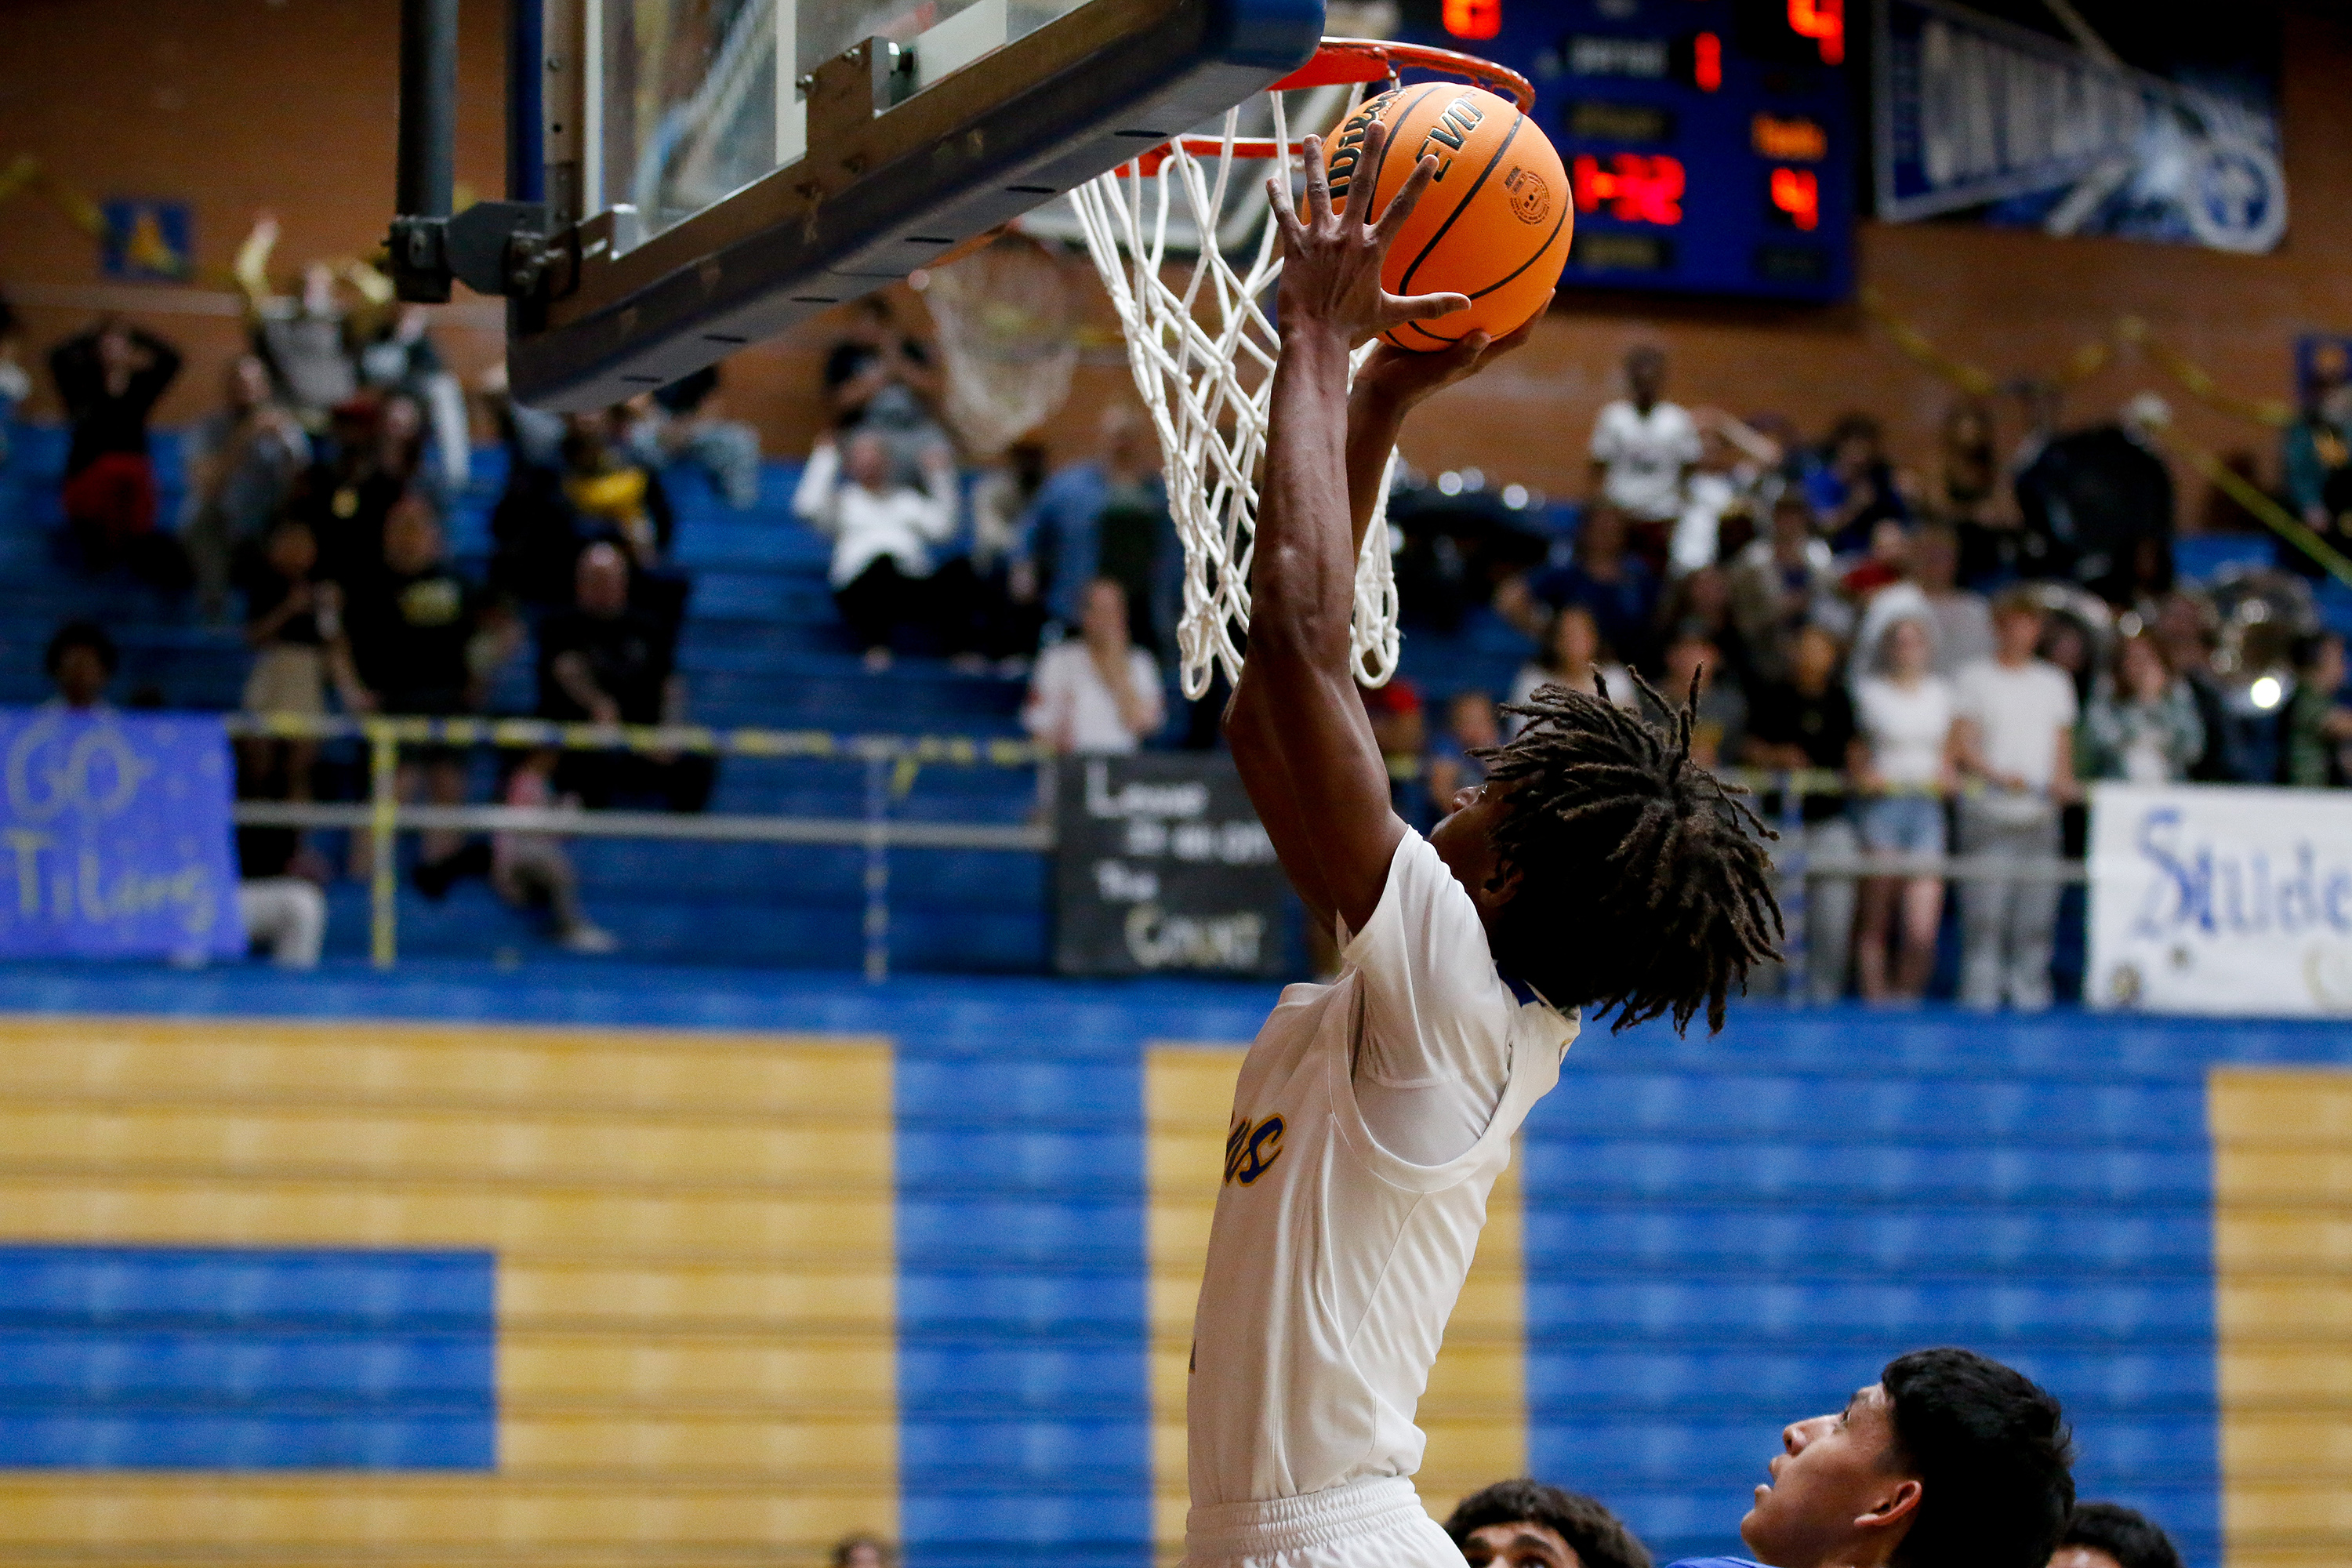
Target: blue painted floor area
1721,1236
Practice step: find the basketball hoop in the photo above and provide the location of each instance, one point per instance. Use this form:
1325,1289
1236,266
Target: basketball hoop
1203,356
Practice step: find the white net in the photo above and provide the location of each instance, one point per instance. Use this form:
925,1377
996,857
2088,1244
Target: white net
1004,319
1202,352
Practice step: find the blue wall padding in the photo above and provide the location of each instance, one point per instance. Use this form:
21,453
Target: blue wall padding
237,1359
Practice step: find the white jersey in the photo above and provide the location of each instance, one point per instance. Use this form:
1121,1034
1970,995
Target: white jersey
1334,1262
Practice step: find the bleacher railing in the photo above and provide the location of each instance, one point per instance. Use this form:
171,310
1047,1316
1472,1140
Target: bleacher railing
891,764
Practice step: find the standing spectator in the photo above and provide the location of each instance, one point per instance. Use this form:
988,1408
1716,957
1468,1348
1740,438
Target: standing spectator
1699,604
1962,620
290,617
2183,628
2103,499
1004,628
1733,459
243,461
347,493
1986,533
611,495
1574,656
1806,722
684,423
1694,674
605,661
1780,582
2318,727
395,355
2320,442
1471,726
529,870
2016,739
1108,518
1903,770
2108,1536
411,631
1098,692
1603,576
882,380
1641,446
2142,726
1850,486
304,340
110,379
883,533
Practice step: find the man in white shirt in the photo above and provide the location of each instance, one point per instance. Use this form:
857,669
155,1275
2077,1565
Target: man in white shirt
2015,737
1597,866
1643,445
882,533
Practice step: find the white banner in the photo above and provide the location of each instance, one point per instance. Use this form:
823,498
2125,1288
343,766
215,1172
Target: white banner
2220,899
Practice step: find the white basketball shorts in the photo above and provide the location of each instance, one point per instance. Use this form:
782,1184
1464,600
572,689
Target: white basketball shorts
1366,1525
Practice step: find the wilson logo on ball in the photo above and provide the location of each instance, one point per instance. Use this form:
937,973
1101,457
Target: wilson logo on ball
1530,197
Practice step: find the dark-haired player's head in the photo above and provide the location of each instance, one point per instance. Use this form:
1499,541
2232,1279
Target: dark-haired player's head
1949,1460
2109,1535
1612,870
1527,1524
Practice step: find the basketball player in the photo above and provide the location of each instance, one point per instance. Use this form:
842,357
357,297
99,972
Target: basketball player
1599,867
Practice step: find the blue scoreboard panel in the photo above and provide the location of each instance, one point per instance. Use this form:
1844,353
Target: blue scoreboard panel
1709,142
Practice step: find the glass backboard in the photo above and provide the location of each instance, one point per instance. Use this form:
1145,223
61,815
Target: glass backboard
709,200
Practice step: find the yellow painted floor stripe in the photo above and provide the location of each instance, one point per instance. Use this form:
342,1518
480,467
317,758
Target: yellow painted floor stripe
2283,1282
696,1286
1476,1408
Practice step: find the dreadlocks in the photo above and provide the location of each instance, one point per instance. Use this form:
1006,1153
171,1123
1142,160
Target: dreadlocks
1644,884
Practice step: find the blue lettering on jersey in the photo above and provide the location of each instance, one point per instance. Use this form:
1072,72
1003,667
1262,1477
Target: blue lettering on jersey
1250,1148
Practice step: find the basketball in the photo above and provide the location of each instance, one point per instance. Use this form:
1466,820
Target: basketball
1496,222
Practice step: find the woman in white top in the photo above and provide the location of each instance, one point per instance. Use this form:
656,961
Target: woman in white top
1903,768
882,534
1096,692
1574,656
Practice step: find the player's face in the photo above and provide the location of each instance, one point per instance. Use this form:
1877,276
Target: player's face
1836,1478
1520,1544
1465,842
2082,1557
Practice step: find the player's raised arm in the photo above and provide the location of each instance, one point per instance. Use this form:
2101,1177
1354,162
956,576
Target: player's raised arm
1298,728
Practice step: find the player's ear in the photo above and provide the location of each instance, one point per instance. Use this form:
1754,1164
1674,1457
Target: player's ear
1892,1508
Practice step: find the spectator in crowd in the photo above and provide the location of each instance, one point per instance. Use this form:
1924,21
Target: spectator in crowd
110,379
290,618
1401,730
1962,621
1803,721
1527,1524
1850,486
1781,582
16,382
1574,656
304,340
1699,603
1949,1459
347,493
1985,528
80,662
1603,576
411,648
1004,628
1471,726
883,534
606,661
2098,496
531,869
2015,739
881,380
863,1551
1903,769
243,459
277,893
2142,725
611,495
1106,518
2320,442
2318,727
1098,692
1642,447
684,423
2109,1535
1694,674
2183,629
395,356
1733,461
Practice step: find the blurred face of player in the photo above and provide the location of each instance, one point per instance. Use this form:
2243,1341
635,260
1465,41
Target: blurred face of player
1464,840
1839,1491
2082,1557
1520,1544
1646,375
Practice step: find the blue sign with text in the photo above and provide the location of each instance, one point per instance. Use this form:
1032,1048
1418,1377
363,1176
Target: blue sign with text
115,839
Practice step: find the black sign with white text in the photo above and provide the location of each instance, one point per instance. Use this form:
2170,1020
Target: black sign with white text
1162,866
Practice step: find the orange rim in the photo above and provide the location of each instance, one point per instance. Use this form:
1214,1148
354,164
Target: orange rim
1343,62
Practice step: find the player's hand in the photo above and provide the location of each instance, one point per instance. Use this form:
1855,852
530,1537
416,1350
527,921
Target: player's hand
1404,377
1331,261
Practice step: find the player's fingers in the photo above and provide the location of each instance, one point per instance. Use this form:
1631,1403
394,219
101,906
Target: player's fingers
1422,306
1318,182
1368,159
1526,329
1284,215
1406,199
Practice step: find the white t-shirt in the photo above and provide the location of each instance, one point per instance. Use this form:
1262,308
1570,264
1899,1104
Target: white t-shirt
864,525
1698,533
1071,709
1335,1257
1645,454
1905,729
2020,712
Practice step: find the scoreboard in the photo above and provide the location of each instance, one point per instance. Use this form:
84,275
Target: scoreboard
1709,144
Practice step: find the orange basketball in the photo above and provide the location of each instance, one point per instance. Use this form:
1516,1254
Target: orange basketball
1494,225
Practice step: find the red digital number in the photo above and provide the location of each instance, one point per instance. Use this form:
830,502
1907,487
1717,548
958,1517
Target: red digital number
1706,62
1823,21
1475,18
1635,188
1798,193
